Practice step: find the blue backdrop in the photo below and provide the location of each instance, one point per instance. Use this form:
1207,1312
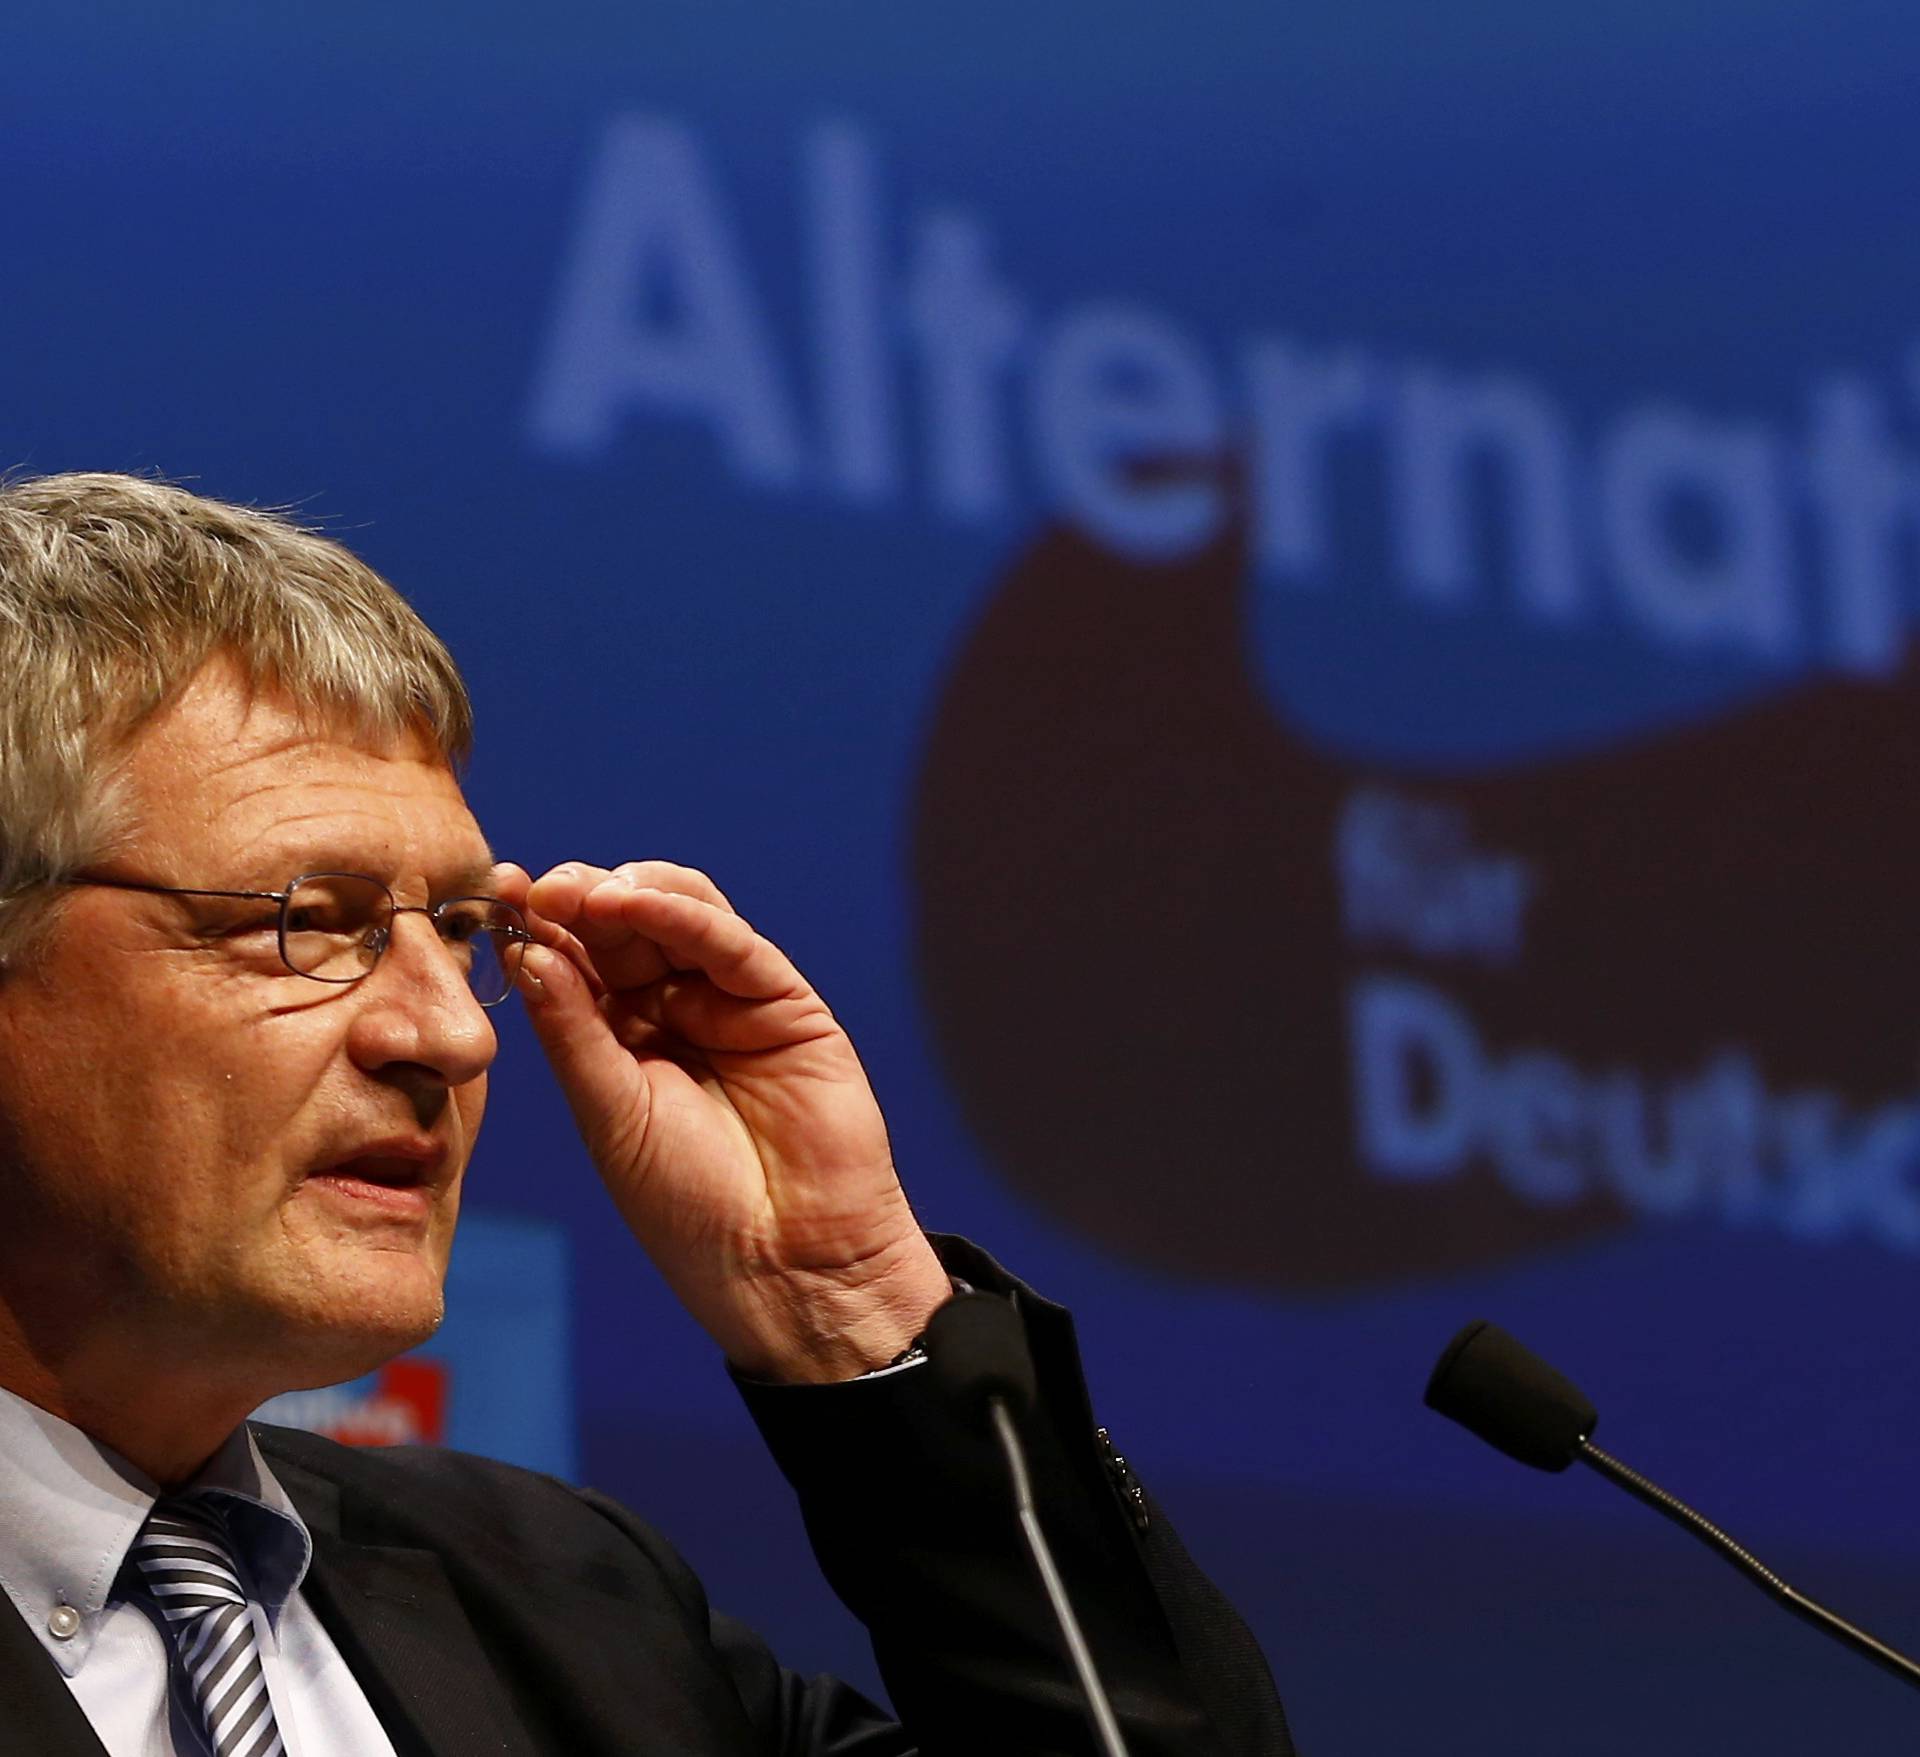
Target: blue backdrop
1300,615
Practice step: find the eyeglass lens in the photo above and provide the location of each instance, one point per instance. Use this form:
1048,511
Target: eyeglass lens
335,925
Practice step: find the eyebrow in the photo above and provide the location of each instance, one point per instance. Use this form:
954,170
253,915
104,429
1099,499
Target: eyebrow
469,878
472,878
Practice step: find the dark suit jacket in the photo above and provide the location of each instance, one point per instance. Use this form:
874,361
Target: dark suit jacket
487,1610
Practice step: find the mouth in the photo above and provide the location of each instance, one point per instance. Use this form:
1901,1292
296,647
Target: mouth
400,1180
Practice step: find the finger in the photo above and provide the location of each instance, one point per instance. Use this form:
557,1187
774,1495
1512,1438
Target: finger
553,911
555,894
511,884
690,1020
693,934
558,893
596,1072
577,896
622,951
664,875
643,1026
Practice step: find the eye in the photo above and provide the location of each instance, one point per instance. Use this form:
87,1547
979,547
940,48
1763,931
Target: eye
339,904
459,926
329,924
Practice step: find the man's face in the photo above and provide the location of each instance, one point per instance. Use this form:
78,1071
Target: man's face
202,1154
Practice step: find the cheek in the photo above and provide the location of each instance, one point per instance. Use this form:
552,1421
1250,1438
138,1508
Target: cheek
217,1119
159,1106
468,1102
91,1112
471,1102
236,1099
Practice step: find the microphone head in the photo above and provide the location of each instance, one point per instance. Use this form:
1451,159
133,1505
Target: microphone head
1511,1398
977,1350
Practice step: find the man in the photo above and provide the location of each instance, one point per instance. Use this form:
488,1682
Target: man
249,931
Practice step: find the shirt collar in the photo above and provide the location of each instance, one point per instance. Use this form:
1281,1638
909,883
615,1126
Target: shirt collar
72,1506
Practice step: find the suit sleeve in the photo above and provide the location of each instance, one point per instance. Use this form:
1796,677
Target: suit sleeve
912,1520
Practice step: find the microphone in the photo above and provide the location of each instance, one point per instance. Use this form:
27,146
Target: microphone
1519,1405
977,1352
1511,1398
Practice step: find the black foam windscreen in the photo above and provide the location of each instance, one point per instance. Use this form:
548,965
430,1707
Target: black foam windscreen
1511,1398
977,1349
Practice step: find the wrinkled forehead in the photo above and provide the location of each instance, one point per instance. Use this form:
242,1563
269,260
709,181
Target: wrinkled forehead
235,771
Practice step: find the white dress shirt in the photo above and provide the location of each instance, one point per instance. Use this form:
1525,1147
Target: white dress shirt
69,1509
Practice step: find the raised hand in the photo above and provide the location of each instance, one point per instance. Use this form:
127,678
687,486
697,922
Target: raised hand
729,1117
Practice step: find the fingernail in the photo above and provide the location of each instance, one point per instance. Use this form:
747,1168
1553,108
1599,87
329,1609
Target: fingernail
535,962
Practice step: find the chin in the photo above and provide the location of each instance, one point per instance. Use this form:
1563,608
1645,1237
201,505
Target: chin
345,1326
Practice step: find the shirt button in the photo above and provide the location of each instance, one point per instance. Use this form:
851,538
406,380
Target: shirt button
63,1623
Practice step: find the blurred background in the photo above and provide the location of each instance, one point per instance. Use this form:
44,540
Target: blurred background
1301,615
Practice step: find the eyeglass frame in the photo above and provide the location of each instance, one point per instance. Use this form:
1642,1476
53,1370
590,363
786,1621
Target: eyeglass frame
518,935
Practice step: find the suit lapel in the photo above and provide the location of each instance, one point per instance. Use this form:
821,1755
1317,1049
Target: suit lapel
405,1636
36,1707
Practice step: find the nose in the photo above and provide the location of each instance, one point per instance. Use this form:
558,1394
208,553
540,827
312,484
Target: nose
416,1012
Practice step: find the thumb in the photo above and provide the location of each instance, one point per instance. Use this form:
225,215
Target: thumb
603,1086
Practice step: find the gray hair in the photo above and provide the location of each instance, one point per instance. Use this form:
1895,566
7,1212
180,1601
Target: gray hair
114,592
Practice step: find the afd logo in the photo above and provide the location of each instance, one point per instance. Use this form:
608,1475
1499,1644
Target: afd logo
877,352
1233,1005
403,1404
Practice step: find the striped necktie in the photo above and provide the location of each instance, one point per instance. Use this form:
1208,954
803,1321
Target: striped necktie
184,1557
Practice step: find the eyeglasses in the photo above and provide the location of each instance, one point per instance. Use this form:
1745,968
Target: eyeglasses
333,926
